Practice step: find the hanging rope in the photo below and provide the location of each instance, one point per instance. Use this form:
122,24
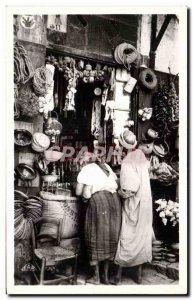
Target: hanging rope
39,81
23,69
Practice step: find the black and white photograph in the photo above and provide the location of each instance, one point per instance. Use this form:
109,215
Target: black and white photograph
97,195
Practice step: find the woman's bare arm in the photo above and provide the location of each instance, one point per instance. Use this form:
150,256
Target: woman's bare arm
79,189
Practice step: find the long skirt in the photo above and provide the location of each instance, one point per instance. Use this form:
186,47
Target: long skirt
102,226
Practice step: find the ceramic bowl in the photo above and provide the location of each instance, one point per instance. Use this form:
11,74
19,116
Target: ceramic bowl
25,172
63,192
22,137
52,155
50,178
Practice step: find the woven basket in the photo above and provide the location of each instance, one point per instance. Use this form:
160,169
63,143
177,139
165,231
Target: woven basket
53,123
66,208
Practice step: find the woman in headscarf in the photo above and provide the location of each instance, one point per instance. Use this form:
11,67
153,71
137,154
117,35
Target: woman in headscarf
135,240
97,182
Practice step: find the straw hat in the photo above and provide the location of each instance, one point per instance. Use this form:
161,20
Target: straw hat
128,139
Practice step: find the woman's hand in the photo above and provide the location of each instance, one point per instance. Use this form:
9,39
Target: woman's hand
126,193
84,190
87,191
79,189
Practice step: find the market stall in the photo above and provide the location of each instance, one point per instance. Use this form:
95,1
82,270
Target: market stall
69,101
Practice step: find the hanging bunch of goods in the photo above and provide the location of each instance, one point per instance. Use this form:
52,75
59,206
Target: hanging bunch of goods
53,127
76,70
27,101
174,103
125,54
51,60
44,87
23,69
168,211
162,172
165,108
67,65
110,111
26,209
129,123
96,119
145,113
148,79
40,142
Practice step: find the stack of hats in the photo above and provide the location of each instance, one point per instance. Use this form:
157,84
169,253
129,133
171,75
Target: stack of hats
157,250
40,142
171,252
174,254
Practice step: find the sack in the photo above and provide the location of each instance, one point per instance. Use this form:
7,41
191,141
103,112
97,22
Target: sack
68,211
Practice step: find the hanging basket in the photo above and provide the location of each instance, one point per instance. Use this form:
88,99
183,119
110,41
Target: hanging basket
53,123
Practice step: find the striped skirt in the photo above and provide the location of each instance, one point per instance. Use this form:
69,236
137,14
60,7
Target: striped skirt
102,226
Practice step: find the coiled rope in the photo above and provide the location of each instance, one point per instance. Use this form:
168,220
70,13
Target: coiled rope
125,54
23,68
39,81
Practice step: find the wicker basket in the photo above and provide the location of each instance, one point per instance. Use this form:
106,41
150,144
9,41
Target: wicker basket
53,123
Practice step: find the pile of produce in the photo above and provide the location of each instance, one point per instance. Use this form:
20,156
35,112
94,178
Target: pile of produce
162,172
165,108
27,102
27,209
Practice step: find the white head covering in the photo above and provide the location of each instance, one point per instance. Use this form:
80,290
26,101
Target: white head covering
125,139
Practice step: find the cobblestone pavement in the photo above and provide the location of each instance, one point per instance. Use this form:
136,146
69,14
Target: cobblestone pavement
150,276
